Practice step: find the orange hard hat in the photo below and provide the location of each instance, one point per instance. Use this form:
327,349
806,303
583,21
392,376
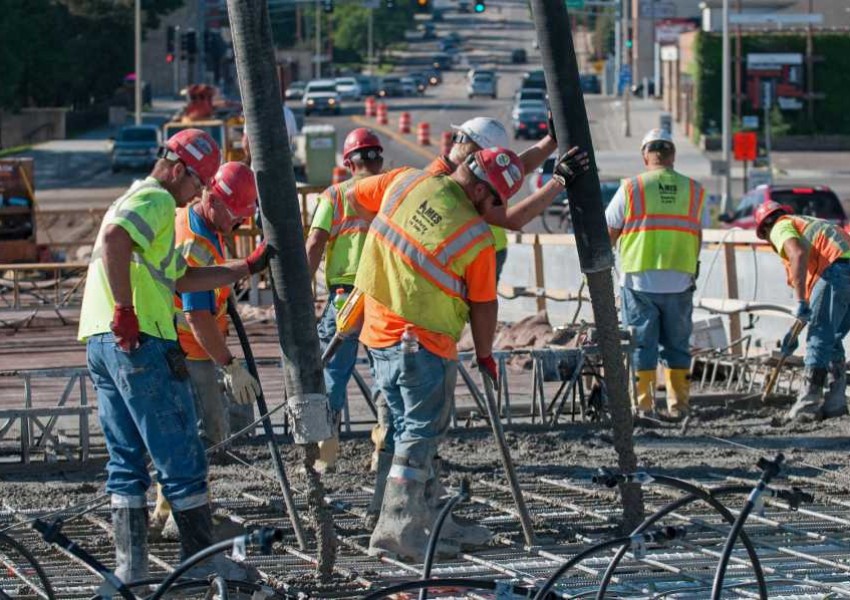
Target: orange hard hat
500,168
197,150
234,184
764,211
360,139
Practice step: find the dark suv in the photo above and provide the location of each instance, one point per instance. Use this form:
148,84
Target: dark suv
818,201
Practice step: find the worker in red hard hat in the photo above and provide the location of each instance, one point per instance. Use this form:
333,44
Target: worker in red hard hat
144,396
816,255
338,232
428,267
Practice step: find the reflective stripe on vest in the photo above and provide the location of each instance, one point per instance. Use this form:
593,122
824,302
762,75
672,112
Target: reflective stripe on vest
825,243
343,222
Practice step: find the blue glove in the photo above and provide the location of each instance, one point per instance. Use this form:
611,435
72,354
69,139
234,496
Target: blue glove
790,343
803,312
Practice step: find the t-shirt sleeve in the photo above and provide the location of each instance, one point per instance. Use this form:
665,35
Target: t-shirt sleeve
369,191
782,231
324,215
615,214
480,276
143,216
198,301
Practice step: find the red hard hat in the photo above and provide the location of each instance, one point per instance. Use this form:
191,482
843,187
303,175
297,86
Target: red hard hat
765,210
499,167
358,139
197,150
234,184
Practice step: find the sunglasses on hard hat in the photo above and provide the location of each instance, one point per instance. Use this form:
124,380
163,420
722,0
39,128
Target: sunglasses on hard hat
460,137
366,154
230,214
482,178
167,154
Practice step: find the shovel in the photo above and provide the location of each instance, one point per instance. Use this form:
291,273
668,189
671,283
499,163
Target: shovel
794,332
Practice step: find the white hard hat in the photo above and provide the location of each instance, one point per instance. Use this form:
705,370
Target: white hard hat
656,135
485,132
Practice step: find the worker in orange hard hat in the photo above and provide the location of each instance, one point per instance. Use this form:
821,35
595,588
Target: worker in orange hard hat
144,397
338,232
816,255
427,268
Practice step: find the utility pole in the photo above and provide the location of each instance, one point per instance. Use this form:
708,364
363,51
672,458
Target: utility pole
177,52
370,54
627,61
618,48
810,69
739,98
137,88
726,117
318,57
202,29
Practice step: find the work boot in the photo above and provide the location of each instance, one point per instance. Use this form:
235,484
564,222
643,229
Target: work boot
644,401
131,543
835,400
468,535
809,402
404,524
385,461
196,527
678,383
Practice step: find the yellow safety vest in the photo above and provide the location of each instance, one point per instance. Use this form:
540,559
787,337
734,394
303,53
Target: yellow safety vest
417,250
346,237
662,222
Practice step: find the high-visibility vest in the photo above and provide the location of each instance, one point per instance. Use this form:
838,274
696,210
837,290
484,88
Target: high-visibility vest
198,251
825,243
417,250
346,237
662,222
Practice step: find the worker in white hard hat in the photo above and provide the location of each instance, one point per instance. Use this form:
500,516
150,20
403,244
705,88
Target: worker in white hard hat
482,132
656,217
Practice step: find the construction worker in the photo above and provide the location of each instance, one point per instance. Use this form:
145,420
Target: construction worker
428,266
816,255
144,396
656,217
482,132
338,232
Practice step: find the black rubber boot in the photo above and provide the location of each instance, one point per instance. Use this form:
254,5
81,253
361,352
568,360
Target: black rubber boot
808,404
131,543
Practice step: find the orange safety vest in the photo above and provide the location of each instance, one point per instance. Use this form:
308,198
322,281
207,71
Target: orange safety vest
198,251
824,242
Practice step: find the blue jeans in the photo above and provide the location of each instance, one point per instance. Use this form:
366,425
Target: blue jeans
830,302
663,320
341,365
142,406
419,389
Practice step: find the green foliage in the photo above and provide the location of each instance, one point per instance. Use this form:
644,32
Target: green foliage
67,52
603,35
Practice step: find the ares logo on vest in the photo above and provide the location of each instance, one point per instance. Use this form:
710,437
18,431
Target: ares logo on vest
667,192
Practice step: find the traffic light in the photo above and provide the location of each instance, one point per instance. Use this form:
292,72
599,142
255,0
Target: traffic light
169,39
328,6
629,43
189,42
480,7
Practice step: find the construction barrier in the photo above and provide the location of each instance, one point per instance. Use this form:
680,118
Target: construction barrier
423,134
340,174
382,117
404,122
369,106
445,143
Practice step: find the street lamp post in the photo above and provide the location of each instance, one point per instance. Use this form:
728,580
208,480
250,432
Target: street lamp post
726,115
371,40
318,57
138,50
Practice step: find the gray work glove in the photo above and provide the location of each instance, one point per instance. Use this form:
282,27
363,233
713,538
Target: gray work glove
240,383
573,163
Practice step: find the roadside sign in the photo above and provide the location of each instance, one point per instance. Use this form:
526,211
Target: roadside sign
575,4
625,75
745,145
750,121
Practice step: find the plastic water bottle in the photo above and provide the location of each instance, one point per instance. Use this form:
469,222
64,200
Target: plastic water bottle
340,298
409,340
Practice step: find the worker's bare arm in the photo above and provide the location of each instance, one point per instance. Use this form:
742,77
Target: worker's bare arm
614,234
796,254
533,156
201,279
526,210
205,329
117,252
482,321
316,242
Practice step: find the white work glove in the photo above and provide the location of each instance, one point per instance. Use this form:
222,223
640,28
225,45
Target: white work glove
240,383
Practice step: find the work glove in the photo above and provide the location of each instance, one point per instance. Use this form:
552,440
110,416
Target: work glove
803,312
125,327
551,125
573,162
258,260
790,343
488,365
240,383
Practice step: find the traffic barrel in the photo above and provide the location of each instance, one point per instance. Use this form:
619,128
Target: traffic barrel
340,174
423,134
369,106
404,122
382,117
446,143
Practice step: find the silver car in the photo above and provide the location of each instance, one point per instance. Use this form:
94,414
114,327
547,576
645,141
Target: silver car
321,96
482,84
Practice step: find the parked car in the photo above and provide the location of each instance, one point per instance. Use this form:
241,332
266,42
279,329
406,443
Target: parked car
818,201
482,84
390,86
590,83
518,56
530,119
295,91
409,86
135,147
320,95
348,88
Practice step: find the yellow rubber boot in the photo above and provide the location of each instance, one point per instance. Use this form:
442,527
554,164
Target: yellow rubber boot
644,401
678,392
328,452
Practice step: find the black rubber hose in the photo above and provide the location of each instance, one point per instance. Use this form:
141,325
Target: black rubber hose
199,585
20,549
468,584
770,468
434,538
676,505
